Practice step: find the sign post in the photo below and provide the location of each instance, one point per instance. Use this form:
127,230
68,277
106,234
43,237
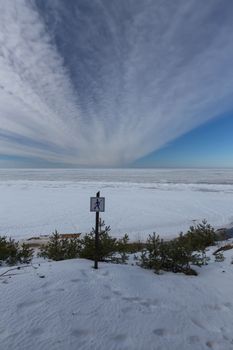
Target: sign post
97,204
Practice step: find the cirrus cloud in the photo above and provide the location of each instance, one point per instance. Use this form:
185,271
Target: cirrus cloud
106,82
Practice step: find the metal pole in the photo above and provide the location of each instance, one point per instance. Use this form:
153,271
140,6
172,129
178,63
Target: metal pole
97,235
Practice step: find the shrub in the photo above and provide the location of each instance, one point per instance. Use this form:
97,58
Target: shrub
60,249
11,253
25,254
151,256
123,249
172,255
107,244
179,254
110,249
201,236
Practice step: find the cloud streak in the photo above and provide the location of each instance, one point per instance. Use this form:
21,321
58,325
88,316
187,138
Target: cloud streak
103,83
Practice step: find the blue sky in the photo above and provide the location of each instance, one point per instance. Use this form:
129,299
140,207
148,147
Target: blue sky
210,145
99,83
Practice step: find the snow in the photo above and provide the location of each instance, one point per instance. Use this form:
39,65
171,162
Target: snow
69,305
30,208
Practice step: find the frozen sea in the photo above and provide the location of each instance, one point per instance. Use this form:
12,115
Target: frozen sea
138,201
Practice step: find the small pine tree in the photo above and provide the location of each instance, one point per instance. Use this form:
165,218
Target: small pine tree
71,248
107,244
53,250
25,254
61,248
12,248
151,257
11,253
201,236
176,255
3,249
122,248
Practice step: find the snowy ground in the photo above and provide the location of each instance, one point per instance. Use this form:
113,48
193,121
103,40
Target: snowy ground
118,307
30,208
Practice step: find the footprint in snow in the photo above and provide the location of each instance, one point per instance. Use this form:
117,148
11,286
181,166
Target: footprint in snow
225,335
197,323
122,341
117,292
194,339
80,332
28,304
119,337
74,280
36,331
161,332
132,299
228,305
105,273
210,344
214,307
84,274
150,304
126,309
46,284
107,286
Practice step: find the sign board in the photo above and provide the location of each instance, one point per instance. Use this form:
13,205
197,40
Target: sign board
97,204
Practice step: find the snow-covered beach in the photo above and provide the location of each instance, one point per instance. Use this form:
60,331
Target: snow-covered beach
138,201
69,305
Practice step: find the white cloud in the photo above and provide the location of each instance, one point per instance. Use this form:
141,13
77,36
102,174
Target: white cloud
166,72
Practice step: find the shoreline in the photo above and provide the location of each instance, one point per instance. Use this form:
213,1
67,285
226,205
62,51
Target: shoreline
36,241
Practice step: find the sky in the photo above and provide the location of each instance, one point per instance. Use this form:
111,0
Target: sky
207,146
116,83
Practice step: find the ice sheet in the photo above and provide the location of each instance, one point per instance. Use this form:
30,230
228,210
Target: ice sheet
134,205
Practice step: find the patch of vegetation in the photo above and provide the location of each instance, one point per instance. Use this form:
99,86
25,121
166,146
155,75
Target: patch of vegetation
179,254
12,253
110,249
135,247
60,249
201,236
107,244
